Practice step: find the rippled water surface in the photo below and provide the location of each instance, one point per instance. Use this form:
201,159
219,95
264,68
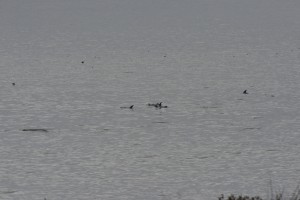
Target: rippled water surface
74,64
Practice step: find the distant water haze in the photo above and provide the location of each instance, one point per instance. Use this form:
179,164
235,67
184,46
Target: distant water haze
70,70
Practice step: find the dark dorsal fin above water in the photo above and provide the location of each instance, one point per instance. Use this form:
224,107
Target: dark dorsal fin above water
128,107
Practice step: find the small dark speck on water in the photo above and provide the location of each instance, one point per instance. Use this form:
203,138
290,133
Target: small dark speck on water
13,84
82,62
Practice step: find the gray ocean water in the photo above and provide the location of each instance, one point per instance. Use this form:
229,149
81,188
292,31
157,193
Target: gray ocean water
75,63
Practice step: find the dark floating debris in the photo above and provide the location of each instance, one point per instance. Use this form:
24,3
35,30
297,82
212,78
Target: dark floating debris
8,192
35,129
160,122
245,92
157,105
127,107
82,62
13,84
251,128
